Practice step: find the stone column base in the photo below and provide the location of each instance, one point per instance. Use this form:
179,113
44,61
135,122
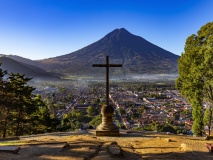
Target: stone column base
114,133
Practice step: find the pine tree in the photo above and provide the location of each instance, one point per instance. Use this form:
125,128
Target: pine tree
22,101
5,103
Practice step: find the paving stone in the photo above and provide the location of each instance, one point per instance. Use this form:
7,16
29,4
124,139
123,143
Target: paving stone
114,150
13,149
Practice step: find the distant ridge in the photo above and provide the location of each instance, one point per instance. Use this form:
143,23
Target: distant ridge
137,55
23,60
29,70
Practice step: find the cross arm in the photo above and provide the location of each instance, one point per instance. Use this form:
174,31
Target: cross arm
115,65
104,65
99,65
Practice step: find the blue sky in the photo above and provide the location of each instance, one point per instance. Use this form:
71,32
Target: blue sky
39,29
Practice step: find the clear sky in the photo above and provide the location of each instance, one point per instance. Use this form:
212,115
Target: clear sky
39,29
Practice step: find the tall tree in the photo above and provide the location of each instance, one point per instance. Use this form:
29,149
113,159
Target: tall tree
5,103
208,118
195,81
22,100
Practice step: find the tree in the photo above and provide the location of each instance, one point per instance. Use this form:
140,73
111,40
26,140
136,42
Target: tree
91,111
82,101
3,101
41,120
207,119
96,101
168,128
53,105
68,122
95,121
6,107
121,111
22,100
195,67
141,110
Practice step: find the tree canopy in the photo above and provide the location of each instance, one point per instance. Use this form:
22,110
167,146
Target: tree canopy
195,67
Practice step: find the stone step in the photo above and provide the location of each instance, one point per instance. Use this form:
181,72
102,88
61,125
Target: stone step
109,151
114,150
13,149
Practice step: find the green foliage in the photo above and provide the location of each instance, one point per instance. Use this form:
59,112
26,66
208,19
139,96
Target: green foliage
168,128
195,81
185,112
82,101
96,101
95,121
67,123
74,120
154,126
179,130
137,129
91,111
77,115
121,111
141,110
21,112
164,128
22,101
119,124
207,118
42,122
134,115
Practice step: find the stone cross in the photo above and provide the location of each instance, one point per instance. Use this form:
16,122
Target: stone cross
107,65
107,127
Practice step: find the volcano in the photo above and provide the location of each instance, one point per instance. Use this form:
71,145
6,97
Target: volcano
137,55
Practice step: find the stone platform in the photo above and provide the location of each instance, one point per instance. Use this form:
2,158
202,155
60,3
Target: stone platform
107,133
130,145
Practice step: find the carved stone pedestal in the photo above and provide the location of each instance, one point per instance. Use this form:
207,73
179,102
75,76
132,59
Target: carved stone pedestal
107,127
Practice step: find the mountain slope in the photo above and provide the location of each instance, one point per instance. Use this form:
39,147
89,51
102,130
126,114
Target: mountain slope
30,71
23,60
137,55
